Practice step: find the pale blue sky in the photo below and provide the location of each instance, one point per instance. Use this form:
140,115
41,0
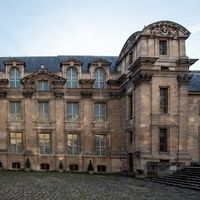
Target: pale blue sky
88,27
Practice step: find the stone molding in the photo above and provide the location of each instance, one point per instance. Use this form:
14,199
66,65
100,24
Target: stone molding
58,94
183,79
142,78
28,93
3,94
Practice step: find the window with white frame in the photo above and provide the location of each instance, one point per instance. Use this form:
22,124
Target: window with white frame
100,145
73,143
72,78
44,143
15,78
72,111
43,85
100,112
100,78
15,110
43,111
16,142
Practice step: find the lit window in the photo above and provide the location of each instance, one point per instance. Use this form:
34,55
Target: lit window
16,142
15,78
163,140
73,144
43,85
44,141
15,110
72,111
72,78
43,111
100,145
100,112
100,80
163,47
164,100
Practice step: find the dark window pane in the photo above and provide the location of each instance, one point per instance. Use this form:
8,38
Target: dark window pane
163,140
163,47
164,100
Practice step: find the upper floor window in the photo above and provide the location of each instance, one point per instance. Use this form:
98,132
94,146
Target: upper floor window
16,142
100,112
164,100
100,78
43,85
72,78
15,110
43,111
100,145
15,78
44,142
163,47
73,142
163,140
72,111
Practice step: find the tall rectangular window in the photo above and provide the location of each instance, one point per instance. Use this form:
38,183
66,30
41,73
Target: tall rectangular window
100,145
163,139
130,58
16,142
43,85
15,110
164,100
163,47
43,111
44,143
100,112
130,106
72,111
73,143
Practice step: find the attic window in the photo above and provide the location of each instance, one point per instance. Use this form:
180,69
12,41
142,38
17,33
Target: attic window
163,47
43,85
164,68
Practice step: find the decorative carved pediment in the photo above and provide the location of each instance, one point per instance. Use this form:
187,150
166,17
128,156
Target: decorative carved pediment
14,60
166,29
142,78
71,61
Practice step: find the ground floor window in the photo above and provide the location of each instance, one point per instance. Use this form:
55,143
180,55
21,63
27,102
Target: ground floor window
44,166
100,145
74,167
44,142
16,142
101,168
163,139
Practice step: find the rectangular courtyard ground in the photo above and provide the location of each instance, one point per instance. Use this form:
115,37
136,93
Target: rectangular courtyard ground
52,185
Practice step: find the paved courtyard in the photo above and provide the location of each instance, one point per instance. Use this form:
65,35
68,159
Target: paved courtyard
52,185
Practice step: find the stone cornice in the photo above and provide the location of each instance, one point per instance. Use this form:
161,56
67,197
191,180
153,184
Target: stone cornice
142,77
186,61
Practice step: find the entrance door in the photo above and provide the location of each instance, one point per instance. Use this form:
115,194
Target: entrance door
130,161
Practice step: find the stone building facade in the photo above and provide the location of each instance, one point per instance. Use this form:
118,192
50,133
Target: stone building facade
118,112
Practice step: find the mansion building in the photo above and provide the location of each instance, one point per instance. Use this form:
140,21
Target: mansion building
120,113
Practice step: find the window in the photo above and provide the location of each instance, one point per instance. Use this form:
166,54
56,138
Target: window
72,111
15,110
74,168
130,57
130,106
164,100
44,166
43,111
43,85
130,137
99,76
163,47
163,139
15,78
44,142
101,168
100,112
72,78
16,142
73,144
16,165
100,145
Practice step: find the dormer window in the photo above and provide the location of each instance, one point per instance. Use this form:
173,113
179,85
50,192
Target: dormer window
100,78
163,47
15,78
72,78
43,85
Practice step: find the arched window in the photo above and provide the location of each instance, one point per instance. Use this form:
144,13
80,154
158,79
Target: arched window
14,78
72,78
100,79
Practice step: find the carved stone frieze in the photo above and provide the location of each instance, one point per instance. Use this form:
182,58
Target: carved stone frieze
3,94
28,93
184,79
142,78
58,94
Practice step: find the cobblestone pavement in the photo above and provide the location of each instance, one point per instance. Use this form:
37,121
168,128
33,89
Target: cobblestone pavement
53,185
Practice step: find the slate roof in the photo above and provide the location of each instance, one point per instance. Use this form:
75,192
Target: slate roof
194,84
52,63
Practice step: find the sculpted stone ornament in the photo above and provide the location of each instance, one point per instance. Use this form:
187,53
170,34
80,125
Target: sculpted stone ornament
3,94
184,79
28,93
142,78
58,94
